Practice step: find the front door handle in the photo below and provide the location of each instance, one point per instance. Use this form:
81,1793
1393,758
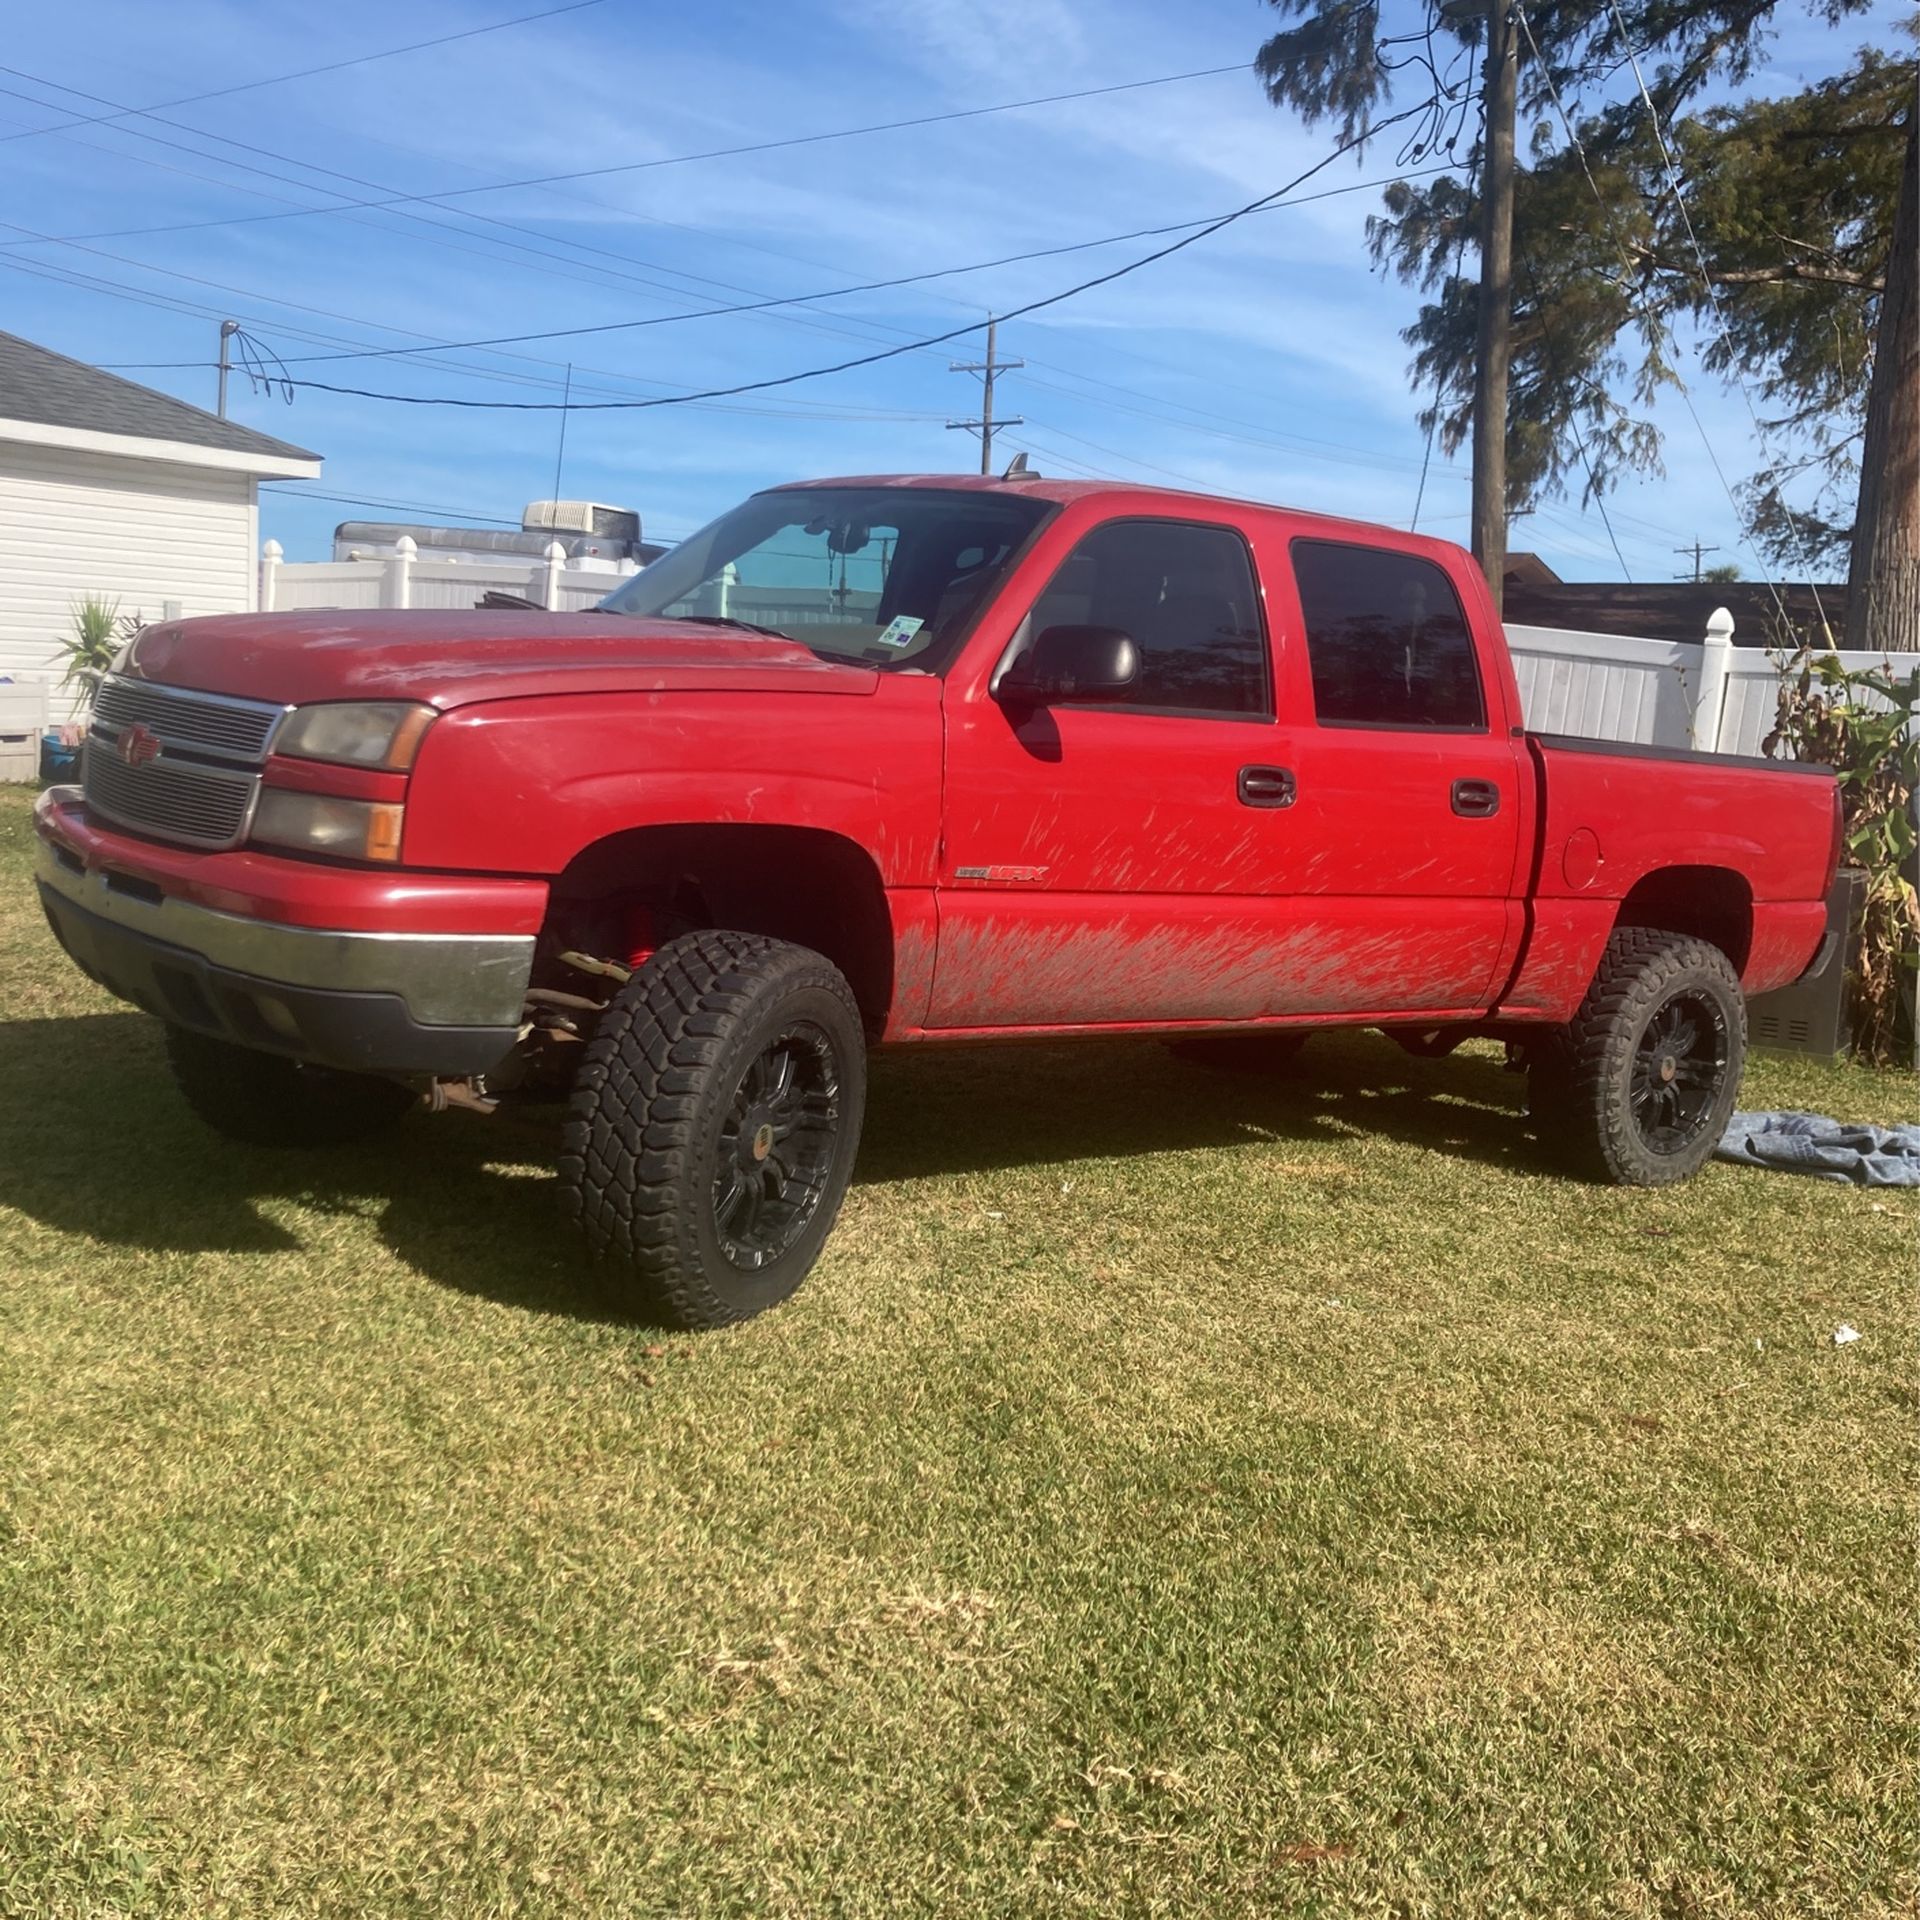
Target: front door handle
1267,787
1476,799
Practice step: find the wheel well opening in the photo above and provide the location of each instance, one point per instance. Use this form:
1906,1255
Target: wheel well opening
1711,903
801,884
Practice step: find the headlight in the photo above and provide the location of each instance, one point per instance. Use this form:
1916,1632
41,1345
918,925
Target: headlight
356,733
321,823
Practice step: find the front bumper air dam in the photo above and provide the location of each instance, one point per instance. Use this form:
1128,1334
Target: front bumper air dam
396,1003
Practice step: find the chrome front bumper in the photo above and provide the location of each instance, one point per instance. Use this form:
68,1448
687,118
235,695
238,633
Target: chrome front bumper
373,1002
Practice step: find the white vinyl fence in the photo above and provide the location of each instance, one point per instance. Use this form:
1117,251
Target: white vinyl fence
403,579
1706,694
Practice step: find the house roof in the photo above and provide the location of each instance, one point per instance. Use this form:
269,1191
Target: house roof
1677,609
47,390
1529,570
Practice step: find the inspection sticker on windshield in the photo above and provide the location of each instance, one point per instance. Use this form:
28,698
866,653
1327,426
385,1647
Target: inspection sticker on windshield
899,631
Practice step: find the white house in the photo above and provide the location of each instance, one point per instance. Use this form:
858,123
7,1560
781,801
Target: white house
111,489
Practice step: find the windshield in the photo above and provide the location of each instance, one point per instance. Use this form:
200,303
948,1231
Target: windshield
889,576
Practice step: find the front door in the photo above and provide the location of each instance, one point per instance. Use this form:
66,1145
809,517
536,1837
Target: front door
1120,862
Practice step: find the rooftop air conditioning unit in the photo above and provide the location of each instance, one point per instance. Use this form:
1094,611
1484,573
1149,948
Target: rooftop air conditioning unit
582,516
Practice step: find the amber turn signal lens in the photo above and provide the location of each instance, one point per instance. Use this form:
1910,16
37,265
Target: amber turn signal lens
325,823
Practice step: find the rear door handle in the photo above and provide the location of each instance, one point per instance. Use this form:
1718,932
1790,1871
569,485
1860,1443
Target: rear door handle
1476,799
1267,787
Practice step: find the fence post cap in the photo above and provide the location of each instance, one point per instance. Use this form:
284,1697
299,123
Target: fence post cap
556,554
406,547
1720,624
273,550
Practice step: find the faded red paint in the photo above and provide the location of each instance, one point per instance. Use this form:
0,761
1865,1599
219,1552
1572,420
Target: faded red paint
1080,868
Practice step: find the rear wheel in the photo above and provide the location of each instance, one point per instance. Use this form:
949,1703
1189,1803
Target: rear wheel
1638,1088
713,1125
268,1100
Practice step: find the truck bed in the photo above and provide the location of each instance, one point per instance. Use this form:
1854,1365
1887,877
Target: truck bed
1760,839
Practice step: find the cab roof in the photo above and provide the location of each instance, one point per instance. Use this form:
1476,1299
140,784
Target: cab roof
1135,494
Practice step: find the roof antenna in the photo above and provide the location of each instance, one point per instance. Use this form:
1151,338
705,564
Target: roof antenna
1017,469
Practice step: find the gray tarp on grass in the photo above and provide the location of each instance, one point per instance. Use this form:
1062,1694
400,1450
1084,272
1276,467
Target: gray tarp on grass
1828,1149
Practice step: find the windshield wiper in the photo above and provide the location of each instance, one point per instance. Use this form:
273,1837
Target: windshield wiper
727,620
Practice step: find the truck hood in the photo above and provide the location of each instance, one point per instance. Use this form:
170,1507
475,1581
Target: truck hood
455,659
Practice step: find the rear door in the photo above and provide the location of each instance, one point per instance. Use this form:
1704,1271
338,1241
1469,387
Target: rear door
1417,797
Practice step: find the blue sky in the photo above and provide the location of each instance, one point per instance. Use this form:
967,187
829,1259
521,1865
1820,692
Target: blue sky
1265,360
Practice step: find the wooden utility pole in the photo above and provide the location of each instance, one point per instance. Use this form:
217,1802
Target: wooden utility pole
1495,344
1696,553
1883,576
986,426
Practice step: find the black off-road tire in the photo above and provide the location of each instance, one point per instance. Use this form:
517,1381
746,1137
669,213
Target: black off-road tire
655,1130
1596,1088
1241,1052
267,1100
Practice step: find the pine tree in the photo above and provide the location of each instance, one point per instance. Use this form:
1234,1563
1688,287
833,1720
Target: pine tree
1795,288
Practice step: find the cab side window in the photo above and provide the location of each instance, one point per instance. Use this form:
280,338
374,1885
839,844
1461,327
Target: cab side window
1185,594
1387,640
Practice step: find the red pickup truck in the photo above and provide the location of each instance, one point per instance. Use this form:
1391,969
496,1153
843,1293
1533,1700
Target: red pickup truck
896,760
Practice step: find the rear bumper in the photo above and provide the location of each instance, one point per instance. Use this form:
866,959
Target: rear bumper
371,998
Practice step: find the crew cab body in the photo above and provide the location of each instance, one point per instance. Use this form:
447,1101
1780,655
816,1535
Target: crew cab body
1217,848
966,759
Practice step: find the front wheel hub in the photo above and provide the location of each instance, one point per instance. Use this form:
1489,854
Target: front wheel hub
776,1147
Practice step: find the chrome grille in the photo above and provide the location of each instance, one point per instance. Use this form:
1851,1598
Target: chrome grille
196,779
230,729
203,806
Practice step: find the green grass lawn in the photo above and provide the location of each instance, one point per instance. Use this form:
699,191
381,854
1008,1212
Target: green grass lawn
1172,1494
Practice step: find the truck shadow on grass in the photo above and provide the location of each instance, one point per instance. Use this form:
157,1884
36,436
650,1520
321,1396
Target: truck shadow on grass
94,1142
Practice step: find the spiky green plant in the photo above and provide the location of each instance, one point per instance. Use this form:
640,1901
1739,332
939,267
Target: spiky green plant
89,649
1863,722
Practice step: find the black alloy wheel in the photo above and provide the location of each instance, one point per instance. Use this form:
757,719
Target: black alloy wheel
1677,1071
1637,1088
777,1147
713,1125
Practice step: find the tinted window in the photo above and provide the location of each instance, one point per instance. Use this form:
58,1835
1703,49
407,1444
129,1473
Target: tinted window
1386,639
1185,594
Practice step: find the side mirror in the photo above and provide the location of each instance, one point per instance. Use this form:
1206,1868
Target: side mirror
1071,663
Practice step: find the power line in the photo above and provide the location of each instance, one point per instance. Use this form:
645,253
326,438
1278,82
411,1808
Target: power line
771,300
1290,443
868,326
421,219
633,166
304,73
168,303
767,303
1142,406
887,353
914,124
393,506
864,325
1131,400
